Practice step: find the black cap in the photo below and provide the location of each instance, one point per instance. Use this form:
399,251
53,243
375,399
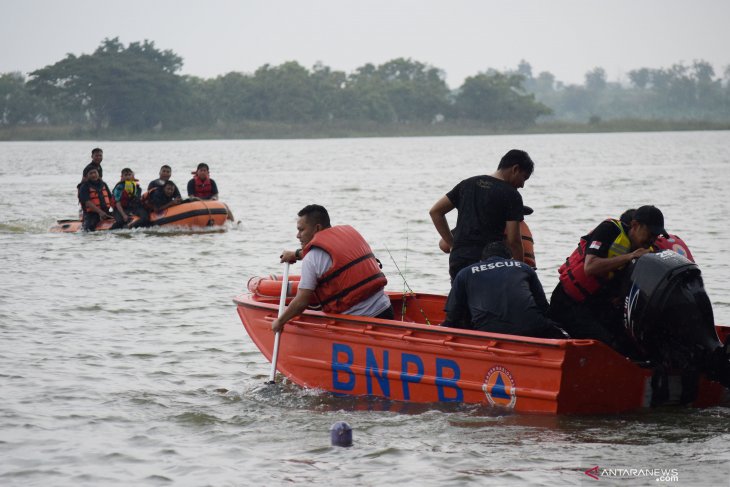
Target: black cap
652,217
526,210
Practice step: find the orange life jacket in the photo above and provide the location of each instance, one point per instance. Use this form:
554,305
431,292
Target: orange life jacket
355,274
203,189
108,201
579,285
528,245
673,243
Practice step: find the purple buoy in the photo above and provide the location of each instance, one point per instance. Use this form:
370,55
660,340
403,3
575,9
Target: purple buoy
341,434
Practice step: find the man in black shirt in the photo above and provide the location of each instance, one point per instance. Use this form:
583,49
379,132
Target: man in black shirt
500,295
97,155
489,208
164,197
165,175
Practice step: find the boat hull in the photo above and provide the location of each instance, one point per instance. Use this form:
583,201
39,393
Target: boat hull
191,214
409,361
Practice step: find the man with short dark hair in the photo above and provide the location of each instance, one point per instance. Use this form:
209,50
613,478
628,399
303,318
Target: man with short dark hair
97,155
201,186
97,202
501,295
128,197
164,197
338,269
490,210
165,175
588,300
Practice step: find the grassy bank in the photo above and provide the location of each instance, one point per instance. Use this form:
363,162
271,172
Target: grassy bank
268,130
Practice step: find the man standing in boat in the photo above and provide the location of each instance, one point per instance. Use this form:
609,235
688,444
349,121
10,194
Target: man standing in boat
339,270
501,295
490,210
588,301
97,155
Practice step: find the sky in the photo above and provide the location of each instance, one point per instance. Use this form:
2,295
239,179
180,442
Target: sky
462,37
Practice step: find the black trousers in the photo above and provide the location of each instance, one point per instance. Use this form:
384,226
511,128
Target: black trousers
92,219
595,318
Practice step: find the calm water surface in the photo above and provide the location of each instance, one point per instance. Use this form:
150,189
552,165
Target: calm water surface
123,362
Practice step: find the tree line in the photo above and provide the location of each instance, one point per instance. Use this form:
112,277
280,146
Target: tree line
138,87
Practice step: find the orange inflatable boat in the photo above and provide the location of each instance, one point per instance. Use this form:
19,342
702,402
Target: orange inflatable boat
406,359
188,214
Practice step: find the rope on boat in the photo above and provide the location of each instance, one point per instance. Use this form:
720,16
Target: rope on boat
411,293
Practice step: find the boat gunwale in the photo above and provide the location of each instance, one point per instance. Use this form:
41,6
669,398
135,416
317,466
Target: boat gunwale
456,332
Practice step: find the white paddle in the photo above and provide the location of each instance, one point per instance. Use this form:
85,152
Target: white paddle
282,302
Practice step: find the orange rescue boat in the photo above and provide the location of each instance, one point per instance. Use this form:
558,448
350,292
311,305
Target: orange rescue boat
414,359
189,214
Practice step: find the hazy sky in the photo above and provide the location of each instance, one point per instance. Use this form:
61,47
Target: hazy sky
462,37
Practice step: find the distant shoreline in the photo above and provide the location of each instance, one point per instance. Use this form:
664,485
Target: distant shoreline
268,130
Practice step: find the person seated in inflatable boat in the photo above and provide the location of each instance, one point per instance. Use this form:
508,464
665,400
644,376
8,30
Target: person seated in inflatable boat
588,301
165,175
338,269
159,199
202,186
97,202
501,295
128,197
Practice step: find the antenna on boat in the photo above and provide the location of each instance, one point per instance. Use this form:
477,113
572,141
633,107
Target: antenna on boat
405,270
407,285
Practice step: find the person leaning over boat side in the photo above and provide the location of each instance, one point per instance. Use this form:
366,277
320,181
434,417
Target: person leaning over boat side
588,300
489,207
163,198
165,175
97,201
501,295
338,269
668,242
201,186
128,197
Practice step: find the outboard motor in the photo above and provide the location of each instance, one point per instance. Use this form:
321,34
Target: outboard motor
669,316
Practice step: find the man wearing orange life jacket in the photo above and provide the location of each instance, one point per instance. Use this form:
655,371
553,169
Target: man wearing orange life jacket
97,201
338,269
587,300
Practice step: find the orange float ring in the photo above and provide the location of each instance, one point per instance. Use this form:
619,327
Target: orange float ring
270,287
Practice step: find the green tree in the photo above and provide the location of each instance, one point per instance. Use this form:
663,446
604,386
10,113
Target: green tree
498,100
17,105
134,87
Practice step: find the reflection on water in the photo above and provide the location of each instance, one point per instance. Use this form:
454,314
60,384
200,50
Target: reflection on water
123,360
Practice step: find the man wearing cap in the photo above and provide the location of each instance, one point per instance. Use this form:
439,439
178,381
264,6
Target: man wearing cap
490,210
587,301
500,295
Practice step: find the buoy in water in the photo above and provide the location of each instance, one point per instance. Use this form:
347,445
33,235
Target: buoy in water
341,434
